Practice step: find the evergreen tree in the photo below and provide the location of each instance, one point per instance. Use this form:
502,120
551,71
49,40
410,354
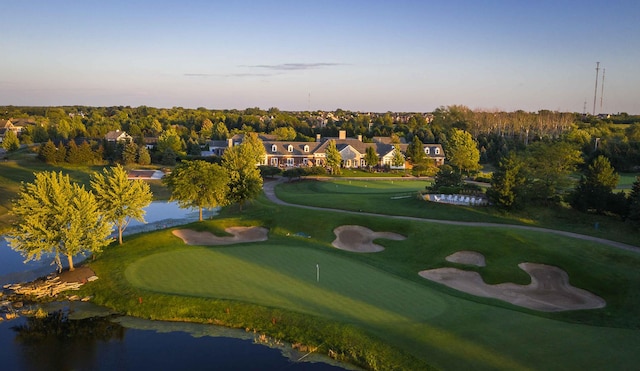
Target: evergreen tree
507,183
120,198
144,158
595,187
129,153
334,159
220,131
61,154
87,155
398,158
371,157
415,151
634,202
57,217
10,142
47,152
73,154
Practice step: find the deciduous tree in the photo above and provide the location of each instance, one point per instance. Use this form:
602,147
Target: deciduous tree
245,182
57,217
462,151
334,159
120,199
198,184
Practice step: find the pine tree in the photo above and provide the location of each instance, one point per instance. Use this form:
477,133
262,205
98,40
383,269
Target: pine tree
371,157
47,152
507,183
144,158
10,142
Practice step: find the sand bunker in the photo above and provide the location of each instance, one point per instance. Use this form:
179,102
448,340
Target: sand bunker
360,239
468,258
239,235
549,290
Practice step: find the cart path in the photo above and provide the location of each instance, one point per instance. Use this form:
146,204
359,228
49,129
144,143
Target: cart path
270,193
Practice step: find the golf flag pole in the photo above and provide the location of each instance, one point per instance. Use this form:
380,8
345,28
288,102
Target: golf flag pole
317,272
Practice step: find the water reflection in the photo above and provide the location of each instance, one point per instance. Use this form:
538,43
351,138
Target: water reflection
60,342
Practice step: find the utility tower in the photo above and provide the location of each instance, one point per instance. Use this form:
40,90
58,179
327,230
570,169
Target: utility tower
602,90
595,93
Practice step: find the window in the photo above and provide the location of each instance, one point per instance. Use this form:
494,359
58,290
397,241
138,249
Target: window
306,148
290,148
274,148
437,151
427,150
274,162
290,162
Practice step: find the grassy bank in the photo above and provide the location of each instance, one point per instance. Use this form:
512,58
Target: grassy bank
374,309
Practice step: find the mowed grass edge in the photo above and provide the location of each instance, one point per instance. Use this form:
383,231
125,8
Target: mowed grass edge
401,260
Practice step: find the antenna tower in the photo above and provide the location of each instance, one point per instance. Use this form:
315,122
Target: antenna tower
595,93
602,90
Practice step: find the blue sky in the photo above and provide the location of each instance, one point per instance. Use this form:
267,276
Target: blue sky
321,55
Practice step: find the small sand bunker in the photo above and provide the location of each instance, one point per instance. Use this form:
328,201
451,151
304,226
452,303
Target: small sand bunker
360,239
468,258
239,235
549,290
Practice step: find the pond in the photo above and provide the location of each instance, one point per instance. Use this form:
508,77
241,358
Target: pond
74,337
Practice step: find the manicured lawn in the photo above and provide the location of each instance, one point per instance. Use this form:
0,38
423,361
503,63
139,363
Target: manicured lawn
397,198
382,294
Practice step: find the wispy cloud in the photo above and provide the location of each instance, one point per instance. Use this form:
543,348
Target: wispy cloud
228,75
295,66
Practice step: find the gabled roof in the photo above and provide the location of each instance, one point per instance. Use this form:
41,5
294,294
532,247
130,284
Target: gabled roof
282,148
116,135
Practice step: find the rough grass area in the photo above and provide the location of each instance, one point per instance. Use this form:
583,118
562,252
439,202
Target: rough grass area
387,197
405,321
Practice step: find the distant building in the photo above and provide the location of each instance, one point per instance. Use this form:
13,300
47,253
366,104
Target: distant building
117,136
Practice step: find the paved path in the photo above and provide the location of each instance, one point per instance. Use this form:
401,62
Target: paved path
269,191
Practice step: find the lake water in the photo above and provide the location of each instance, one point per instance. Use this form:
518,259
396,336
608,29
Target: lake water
125,343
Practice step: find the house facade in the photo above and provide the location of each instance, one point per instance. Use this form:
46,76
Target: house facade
288,154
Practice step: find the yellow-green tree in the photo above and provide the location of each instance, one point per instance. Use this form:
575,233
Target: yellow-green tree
57,217
119,198
198,184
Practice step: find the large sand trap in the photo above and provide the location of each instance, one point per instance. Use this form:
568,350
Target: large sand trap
360,239
240,234
549,290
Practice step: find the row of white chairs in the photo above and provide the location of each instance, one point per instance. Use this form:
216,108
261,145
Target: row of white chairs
457,199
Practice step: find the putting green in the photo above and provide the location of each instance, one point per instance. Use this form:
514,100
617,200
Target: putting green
446,331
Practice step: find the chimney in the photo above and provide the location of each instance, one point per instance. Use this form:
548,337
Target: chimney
229,142
360,137
317,137
342,134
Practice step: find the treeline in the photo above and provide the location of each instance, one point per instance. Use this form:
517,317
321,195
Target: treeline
497,133
93,154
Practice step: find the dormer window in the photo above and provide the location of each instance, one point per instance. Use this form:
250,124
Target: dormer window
427,150
274,148
290,148
306,148
437,151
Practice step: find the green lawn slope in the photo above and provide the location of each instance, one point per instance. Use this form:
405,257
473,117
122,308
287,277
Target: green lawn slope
377,301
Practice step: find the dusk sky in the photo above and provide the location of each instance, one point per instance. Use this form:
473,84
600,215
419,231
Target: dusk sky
378,56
